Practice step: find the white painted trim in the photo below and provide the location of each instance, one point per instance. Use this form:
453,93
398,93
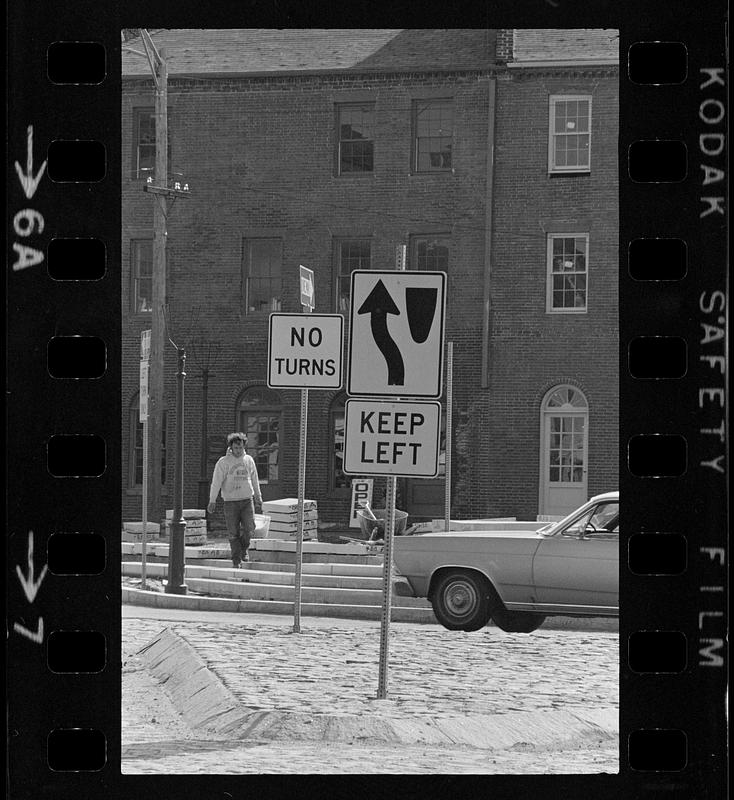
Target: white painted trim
553,169
543,448
601,62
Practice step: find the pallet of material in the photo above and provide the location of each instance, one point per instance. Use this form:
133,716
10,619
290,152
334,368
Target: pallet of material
287,505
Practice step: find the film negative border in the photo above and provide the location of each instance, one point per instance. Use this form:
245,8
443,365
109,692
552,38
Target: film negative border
673,437
63,280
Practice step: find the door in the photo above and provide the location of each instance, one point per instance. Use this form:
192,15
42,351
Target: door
563,451
578,566
259,417
425,498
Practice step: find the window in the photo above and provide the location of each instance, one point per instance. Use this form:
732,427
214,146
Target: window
141,272
259,415
355,123
135,468
350,254
430,252
433,131
569,145
144,142
567,286
601,521
338,479
262,274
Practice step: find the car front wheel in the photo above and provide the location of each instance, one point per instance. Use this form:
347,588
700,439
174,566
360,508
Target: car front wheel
461,601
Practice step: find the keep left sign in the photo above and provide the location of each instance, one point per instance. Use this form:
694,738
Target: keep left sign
399,437
305,351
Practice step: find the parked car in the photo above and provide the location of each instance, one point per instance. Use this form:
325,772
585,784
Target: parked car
517,578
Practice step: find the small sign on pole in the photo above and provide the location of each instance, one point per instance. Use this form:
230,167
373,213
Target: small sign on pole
308,293
143,394
145,345
361,495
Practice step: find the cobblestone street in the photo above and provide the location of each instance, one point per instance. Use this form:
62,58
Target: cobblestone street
332,668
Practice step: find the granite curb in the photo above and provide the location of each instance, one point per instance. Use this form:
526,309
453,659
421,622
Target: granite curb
208,706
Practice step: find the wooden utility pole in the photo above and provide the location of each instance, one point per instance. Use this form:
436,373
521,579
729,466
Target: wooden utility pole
160,214
162,193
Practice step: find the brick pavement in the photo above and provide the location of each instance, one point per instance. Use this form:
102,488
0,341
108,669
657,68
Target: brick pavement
332,669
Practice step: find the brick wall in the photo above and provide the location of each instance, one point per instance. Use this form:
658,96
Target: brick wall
531,350
259,158
258,155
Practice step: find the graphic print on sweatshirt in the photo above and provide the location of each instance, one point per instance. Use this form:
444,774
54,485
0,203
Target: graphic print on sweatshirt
237,481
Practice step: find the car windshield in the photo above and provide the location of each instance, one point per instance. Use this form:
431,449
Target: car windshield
551,528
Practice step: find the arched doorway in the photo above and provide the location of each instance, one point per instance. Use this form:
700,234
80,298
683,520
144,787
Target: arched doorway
425,498
564,450
259,414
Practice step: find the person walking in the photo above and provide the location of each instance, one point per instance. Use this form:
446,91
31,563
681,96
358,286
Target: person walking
235,474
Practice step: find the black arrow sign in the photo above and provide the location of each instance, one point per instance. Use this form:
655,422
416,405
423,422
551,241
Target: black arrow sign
379,304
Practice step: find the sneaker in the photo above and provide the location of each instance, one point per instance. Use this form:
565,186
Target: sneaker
245,558
236,564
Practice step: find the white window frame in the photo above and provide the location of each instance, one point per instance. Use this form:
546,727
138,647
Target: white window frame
553,168
549,275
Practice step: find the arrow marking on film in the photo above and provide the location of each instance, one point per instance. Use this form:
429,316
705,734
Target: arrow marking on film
378,305
27,179
29,586
34,636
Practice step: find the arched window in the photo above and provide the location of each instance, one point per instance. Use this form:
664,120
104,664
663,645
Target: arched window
259,414
565,398
337,478
135,460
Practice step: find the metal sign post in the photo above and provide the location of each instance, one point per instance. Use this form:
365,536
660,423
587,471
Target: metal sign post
143,415
384,434
382,677
301,496
447,443
386,588
307,301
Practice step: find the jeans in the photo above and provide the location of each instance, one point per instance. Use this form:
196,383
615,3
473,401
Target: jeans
240,518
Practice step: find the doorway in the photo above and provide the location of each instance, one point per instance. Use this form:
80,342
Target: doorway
563,451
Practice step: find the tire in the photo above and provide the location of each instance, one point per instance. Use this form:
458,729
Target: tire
517,621
460,600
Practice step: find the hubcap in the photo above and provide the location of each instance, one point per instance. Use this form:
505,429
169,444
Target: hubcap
461,598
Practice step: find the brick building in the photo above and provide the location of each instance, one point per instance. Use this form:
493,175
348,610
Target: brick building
492,155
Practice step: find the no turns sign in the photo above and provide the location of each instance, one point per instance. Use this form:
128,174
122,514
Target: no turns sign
305,351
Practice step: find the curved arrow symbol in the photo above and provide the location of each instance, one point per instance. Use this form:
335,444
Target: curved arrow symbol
31,587
379,304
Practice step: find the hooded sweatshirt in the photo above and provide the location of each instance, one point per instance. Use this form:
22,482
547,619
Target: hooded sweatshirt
236,477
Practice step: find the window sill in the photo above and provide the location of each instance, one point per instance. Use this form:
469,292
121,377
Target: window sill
361,175
569,172
423,174
564,311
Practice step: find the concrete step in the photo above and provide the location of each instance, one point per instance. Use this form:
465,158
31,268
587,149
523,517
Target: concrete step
256,573
309,568
270,551
195,602
255,584
309,594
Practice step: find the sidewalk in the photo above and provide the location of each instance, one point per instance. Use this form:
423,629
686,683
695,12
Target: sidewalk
248,680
